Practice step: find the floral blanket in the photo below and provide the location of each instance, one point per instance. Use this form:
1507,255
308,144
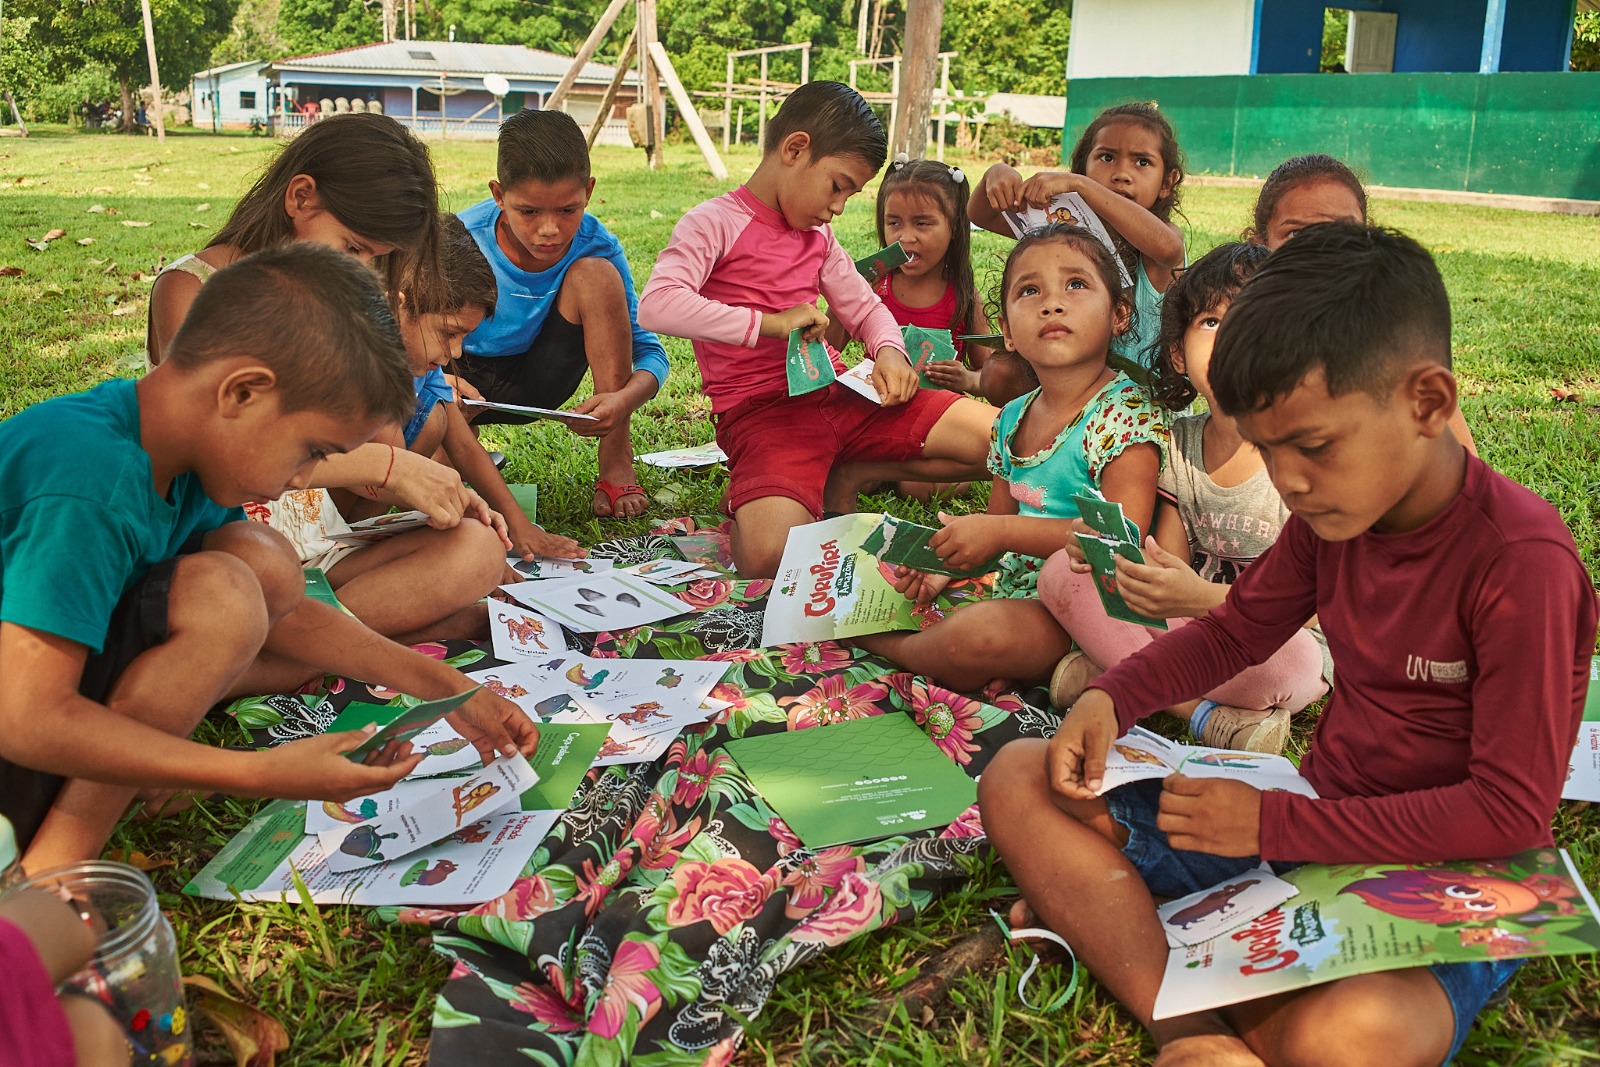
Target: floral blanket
667,901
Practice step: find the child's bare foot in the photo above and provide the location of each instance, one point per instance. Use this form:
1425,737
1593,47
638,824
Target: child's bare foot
1021,917
1207,1050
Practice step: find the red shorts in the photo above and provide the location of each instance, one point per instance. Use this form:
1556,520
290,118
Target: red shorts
785,446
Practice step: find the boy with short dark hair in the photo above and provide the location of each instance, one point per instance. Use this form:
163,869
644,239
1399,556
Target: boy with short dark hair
566,300
133,600
1461,622
742,271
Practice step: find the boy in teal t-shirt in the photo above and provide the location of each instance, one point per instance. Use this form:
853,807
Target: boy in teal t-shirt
131,597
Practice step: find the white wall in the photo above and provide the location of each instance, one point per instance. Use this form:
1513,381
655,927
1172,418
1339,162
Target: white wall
1160,38
244,79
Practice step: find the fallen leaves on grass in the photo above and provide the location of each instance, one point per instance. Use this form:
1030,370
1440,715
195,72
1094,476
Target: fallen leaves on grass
54,235
202,207
131,222
254,1037
86,241
135,858
1565,396
11,272
95,209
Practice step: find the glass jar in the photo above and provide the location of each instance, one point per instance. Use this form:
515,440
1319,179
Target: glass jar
134,971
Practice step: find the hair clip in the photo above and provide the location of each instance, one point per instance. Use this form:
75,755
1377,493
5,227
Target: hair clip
900,161
957,176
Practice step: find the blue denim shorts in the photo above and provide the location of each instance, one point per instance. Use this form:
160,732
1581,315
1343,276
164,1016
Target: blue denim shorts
1170,872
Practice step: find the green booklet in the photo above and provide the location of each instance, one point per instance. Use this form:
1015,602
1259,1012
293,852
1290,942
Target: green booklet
319,588
1354,919
565,753
905,543
808,365
1115,535
395,724
881,262
925,347
856,781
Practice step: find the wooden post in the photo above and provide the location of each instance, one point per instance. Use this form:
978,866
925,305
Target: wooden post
761,111
727,105
691,117
155,75
924,20
558,95
944,106
610,99
805,63
16,113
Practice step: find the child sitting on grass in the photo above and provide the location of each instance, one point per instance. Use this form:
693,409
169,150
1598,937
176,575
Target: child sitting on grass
1461,621
433,320
1085,426
566,304
133,601
742,271
1216,511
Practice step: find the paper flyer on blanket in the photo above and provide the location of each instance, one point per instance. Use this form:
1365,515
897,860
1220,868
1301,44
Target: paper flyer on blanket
1141,754
476,863
1583,770
1355,919
828,586
522,633
592,603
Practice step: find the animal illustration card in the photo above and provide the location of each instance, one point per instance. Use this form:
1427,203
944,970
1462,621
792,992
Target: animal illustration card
707,549
1068,208
699,456
925,347
858,379
808,365
882,262
1141,754
665,571
1223,908
555,567
603,602
400,724
905,544
531,412
1583,770
476,863
1356,919
444,751
522,633
331,815
429,818
380,528
551,687
1117,536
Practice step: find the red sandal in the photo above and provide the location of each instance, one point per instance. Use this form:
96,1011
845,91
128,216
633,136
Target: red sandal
617,492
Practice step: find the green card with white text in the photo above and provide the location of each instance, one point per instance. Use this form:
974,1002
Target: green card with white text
809,366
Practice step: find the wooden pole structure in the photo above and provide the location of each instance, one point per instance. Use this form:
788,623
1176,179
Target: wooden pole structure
924,20
691,117
761,113
558,95
650,87
155,75
610,99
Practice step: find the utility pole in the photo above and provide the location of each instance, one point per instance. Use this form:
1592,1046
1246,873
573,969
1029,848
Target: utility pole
924,20
155,75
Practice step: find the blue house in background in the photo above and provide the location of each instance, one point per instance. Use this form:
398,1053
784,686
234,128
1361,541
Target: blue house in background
229,96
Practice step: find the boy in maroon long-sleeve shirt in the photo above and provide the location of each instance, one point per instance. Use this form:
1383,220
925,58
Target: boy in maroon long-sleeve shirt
1461,622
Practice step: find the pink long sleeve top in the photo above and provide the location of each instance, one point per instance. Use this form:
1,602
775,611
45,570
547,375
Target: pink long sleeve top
733,259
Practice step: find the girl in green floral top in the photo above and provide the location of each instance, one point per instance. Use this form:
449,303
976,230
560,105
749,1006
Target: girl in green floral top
1085,426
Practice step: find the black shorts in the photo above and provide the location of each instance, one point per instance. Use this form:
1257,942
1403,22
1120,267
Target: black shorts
545,376
138,623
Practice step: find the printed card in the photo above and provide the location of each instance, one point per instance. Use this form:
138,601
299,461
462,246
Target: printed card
602,602
332,815
556,567
531,412
1101,555
858,379
557,685
1583,770
905,544
1142,754
380,528
667,571
564,756
1071,209
522,633
881,262
403,725
429,818
319,588
1223,908
444,751
925,348
808,365
699,456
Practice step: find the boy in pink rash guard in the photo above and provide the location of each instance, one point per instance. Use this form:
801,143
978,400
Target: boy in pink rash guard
745,269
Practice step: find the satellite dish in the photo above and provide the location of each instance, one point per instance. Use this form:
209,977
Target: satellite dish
496,84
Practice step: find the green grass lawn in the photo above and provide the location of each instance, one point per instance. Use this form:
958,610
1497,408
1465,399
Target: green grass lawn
353,991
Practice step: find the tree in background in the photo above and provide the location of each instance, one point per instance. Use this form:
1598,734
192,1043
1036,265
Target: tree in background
111,33
307,26
252,35
1007,46
1586,41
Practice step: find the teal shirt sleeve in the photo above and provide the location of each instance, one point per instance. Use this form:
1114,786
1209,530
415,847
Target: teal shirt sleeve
648,353
67,560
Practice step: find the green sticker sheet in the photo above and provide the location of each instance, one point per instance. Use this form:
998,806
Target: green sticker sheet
564,755
808,365
402,723
881,262
905,543
925,347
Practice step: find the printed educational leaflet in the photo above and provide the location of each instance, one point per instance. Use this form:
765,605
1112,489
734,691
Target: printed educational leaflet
858,379
882,262
808,365
707,549
565,754
828,586
380,528
699,456
1068,208
1583,772
1347,920
319,588
452,804
1223,908
1140,754
522,633
402,724
530,412
590,604
925,347
856,781
904,543
556,566
1118,536
668,572
634,692
476,863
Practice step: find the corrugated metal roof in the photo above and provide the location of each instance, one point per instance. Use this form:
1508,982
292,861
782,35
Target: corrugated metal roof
454,57
226,67
1044,112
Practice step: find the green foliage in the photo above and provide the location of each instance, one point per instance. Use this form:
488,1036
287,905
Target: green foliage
111,32
1335,34
307,26
47,89
1007,46
552,28
1586,41
252,35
